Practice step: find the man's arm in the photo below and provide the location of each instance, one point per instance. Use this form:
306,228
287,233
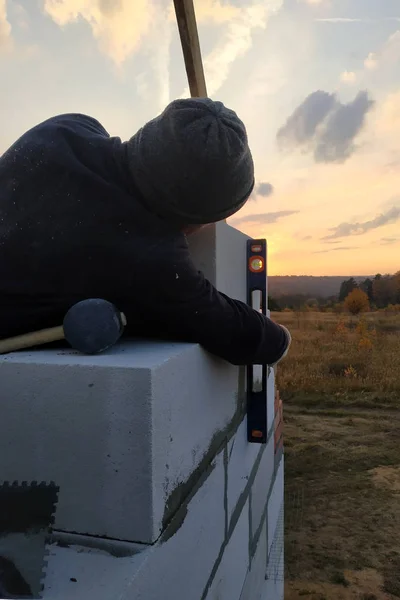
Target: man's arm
180,303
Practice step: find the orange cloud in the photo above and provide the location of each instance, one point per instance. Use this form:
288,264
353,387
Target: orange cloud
215,11
118,25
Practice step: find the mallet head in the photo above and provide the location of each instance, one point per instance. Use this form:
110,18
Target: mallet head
91,326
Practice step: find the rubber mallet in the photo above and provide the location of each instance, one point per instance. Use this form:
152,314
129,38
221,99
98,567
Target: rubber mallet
90,326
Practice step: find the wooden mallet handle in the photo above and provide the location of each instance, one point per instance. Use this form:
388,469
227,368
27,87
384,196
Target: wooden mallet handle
186,19
29,340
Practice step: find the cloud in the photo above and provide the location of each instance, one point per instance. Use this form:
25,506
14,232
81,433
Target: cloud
263,218
326,127
5,27
394,163
355,20
264,189
393,202
314,2
340,248
389,240
236,39
389,54
371,62
301,126
388,118
348,77
347,229
119,26
216,11
336,141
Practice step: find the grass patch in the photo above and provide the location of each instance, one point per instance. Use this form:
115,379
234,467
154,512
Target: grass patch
340,579
342,460
334,354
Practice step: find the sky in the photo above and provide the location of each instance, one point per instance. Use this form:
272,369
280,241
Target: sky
317,83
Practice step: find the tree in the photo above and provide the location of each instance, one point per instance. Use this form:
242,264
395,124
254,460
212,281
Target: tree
366,287
347,286
396,278
384,290
356,302
273,304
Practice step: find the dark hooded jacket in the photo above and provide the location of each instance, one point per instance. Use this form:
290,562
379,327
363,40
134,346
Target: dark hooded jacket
74,224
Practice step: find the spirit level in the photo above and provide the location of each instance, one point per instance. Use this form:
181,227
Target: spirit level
257,374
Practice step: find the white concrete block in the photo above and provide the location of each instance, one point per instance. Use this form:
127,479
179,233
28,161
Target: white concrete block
203,249
275,582
81,572
220,252
261,486
177,568
275,504
270,397
119,432
273,568
230,577
231,261
254,586
181,566
280,573
241,459
197,398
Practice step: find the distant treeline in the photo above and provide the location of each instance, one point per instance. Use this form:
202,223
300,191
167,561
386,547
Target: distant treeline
382,291
308,285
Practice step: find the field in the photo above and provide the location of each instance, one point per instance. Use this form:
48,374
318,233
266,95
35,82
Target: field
341,391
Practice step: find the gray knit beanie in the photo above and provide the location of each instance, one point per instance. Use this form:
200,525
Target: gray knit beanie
192,163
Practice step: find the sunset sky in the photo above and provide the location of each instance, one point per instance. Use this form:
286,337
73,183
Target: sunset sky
317,83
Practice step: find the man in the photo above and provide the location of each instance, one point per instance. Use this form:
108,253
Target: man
84,215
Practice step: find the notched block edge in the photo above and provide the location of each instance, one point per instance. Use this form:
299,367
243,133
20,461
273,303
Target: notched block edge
51,485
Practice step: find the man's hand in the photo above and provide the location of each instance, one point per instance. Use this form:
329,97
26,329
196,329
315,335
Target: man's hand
286,350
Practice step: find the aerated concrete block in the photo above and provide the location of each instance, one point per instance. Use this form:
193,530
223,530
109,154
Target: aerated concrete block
220,252
231,574
270,397
275,506
254,587
241,459
275,581
80,570
177,566
122,434
261,486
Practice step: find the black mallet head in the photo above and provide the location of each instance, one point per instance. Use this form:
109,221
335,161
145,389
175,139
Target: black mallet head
91,326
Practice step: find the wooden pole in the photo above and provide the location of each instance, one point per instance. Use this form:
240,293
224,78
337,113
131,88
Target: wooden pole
186,19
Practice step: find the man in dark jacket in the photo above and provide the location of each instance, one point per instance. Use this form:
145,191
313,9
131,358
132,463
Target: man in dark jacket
85,215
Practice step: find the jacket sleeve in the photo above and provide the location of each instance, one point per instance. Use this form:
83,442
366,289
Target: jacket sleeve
181,303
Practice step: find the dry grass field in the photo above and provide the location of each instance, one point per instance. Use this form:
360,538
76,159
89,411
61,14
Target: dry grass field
341,391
